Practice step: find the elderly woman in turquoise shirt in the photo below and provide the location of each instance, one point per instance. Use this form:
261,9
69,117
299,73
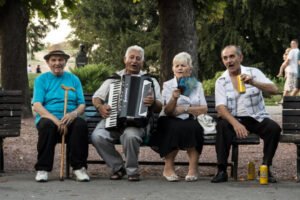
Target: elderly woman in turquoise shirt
48,103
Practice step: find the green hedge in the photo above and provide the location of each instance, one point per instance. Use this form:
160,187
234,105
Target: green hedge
31,78
209,85
92,76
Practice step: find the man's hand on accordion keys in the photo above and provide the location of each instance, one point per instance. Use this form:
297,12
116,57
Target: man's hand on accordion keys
104,110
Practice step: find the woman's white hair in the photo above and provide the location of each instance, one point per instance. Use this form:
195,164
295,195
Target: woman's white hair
137,48
184,57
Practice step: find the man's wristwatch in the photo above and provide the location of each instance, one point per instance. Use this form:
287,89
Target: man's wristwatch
186,109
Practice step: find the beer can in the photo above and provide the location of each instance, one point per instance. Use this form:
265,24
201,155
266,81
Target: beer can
263,177
251,171
241,85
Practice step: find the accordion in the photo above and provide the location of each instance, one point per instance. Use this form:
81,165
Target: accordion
126,101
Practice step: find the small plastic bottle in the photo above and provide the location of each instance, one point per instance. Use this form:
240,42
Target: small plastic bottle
251,171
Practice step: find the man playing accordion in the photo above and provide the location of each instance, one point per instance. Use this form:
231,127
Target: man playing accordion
130,136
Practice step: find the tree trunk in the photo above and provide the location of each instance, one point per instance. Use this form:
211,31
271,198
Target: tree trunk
14,19
178,33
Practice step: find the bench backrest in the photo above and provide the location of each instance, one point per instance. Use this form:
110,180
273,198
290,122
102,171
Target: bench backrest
291,115
10,113
93,118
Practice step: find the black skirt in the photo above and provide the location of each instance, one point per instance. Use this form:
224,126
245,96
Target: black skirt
174,133
298,83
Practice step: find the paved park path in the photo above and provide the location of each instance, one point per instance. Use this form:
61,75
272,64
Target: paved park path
22,187
20,155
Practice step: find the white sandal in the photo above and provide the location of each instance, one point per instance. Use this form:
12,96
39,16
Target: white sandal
191,178
172,178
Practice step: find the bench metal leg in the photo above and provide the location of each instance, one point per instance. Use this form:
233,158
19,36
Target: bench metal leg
234,159
298,162
1,156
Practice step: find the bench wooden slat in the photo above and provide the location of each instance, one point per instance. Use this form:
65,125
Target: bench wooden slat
291,119
4,93
14,119
8,106
291,102
291,112
291,126
290,138
10,126
10,113
10,133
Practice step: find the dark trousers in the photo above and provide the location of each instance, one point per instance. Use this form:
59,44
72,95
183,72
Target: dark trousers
48,137
268,131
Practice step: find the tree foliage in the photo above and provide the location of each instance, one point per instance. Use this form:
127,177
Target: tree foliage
15,16
107,28
262,28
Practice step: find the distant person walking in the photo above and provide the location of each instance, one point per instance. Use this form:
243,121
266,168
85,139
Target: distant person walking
38,69
297,88
29,69
292,62
290,77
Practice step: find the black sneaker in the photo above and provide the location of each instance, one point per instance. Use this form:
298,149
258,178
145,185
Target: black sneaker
220,177
271,178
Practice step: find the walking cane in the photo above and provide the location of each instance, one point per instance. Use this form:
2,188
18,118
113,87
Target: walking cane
62,148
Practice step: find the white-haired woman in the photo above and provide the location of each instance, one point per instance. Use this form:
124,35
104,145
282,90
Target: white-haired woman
178,129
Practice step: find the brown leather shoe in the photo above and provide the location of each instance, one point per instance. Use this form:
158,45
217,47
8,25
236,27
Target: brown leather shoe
134,177
220,177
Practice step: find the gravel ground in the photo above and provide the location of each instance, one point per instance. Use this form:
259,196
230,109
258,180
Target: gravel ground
20,155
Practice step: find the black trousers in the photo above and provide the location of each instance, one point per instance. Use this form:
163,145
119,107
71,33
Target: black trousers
268,131
48,137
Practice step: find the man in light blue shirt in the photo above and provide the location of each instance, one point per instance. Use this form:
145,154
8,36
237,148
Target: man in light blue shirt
48,103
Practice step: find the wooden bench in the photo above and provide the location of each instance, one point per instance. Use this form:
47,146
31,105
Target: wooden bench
10,117
93,118
291,125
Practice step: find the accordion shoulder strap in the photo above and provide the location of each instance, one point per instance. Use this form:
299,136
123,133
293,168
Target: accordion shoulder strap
151,75
114,76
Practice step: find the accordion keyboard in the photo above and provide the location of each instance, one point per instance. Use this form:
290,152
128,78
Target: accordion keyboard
113,98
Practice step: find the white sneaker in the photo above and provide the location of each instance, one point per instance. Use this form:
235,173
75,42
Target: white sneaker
81,175
41,176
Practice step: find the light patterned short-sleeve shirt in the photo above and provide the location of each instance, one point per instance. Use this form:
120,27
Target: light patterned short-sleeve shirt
253,102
